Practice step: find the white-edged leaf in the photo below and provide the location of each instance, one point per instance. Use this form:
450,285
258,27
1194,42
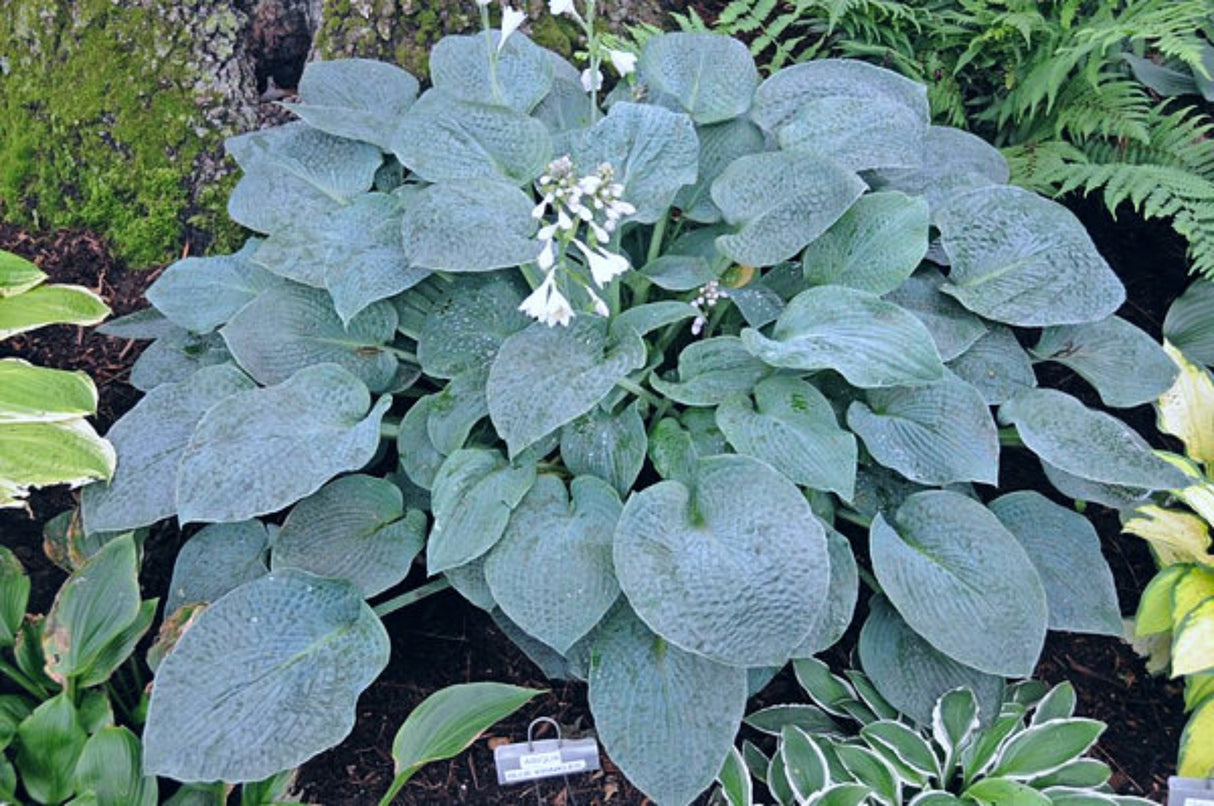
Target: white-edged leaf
1041,749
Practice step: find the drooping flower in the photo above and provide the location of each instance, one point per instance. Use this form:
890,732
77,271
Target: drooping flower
559,7
623,61
604,266
547,256
547,304
600,307
592,82
512,18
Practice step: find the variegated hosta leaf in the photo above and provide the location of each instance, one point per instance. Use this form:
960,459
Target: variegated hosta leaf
1127,367
201,293
677,550
874,247
780,202
1186,410
1024,260
712,77
260,450
17,275
665,716
474,225
962,581
519,78
50,305
552,572
359,99
220,558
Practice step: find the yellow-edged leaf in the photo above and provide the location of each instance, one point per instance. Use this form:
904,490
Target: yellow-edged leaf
1200,499
1177,537
1193,641
1192,588
31,394
41,454
1155,606
1197,743
1186,411
1197,689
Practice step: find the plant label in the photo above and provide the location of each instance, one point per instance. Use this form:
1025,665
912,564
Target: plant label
1190,791
544,758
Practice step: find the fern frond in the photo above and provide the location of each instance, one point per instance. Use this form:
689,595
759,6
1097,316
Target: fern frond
1171,27
1113,106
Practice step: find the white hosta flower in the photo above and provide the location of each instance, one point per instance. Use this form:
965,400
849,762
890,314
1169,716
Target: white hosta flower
623,61
547,304
483,3
547,256
600,235
600,307
559,7
512,18
592,82
604,266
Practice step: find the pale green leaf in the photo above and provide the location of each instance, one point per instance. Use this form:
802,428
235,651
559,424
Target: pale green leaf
17,275
110,769
30,393
50,305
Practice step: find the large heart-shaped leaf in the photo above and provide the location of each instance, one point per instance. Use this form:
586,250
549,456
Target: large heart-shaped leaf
722,568
474,68
962,581
201,293
354,528
552,572
996,365
792,426
151,439
220,558
871,342
954,161
780,202
720,144
874,247
610,446
176,356
711,371
711,76
292,327
278,689
544,377
260,450
937,434
834,619
953,328
474,225
1065,549
1024,260
359,99
666,717
1127,367
468,321
1189,324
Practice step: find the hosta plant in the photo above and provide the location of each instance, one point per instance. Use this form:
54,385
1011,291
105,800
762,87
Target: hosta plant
852,747
616,371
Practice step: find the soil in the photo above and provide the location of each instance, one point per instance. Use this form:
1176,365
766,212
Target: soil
443,640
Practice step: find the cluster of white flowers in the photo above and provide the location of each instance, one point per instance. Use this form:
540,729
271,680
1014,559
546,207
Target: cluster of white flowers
709,295
623,61
593,200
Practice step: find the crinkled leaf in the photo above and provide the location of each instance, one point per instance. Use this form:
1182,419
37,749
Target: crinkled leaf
469,580
50,305
1127,367
1024,260
201,293
874,247
468,322
521,74
359,99
953,328
679,272
177,356
260,450
711,371
476,225
996,365
720,144
456,409
220,558
261,658
676,556
711,76
833,620
1114,496
609,446
954,161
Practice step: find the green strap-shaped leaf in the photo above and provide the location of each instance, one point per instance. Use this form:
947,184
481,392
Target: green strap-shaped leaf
711,76
720,144
469,320
17,275
220,558
31,394
780,202
201,293
150,439
110,768
1065,550
711,371
14,596
871,342
359,99
545,377
676,556
354,528
475,225
1086,443
903,749
953,328
610,446
519,77
41,454
292,327
49,743
1127,367
874,247
792,427
1024,260
805,765
473,495
996,365
962,581
246,719
552,572
665,716
995,791
50,305
774,718
937,434
260,450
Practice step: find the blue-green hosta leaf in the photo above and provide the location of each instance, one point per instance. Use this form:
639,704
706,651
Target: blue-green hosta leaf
711,76
912,674
292,327
673,451
201,293
354,251
260,450
874,247
1086,443
996,365
962,581
934,435
295,171
455,410
1113,496
359,99
678,557
1189,324
1127,367
679,272
354,528
720,144
176,356
146,323
856,114
278,689
220,558
419,458
954,161
473,495
110,770
551,663
834,619
476,225
520,77
665,716
150,440
712,370
566,107
610,446
651,316
443,139
871,342
469,320
792,426
551,572
544,377
1065,549
953,328
1024,260
654,152
469,580
780,202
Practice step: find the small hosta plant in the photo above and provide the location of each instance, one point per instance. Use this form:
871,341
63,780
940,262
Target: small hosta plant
852,747
616,366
